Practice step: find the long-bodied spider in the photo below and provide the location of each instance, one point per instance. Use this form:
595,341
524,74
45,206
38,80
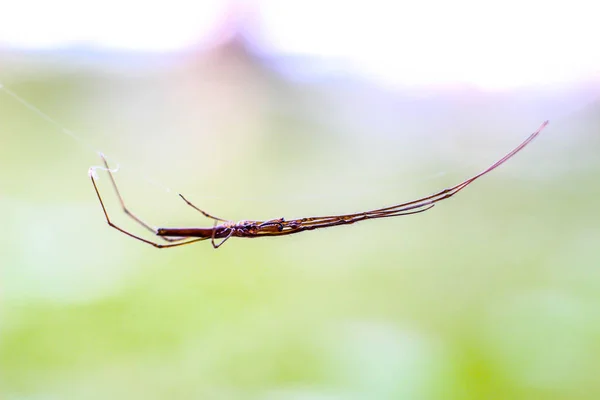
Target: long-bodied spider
224,229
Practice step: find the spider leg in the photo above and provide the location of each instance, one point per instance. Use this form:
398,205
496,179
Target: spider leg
126,210
350,219
214,232
422,208
308,224
216,246
179,241
207,215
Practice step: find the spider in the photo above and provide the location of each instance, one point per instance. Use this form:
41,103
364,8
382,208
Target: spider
223,229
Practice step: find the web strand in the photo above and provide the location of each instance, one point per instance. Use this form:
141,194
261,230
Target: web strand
73,135
47,118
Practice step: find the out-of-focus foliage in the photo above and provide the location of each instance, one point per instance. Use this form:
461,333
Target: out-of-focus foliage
493,294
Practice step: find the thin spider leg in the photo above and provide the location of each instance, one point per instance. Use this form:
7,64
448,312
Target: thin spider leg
350,219
214,233
126,210
387,211
363,216
423,207
216,246
451,191
448,192
372,214
207,215
141,239
296,226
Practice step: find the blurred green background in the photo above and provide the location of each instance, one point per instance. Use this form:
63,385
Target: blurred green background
493,294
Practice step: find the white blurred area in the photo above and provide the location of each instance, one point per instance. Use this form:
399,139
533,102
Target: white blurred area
490,45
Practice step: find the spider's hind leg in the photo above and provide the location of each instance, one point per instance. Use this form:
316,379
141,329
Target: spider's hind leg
180,241
124,207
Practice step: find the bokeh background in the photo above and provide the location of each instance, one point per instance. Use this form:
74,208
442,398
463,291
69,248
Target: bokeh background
264,109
